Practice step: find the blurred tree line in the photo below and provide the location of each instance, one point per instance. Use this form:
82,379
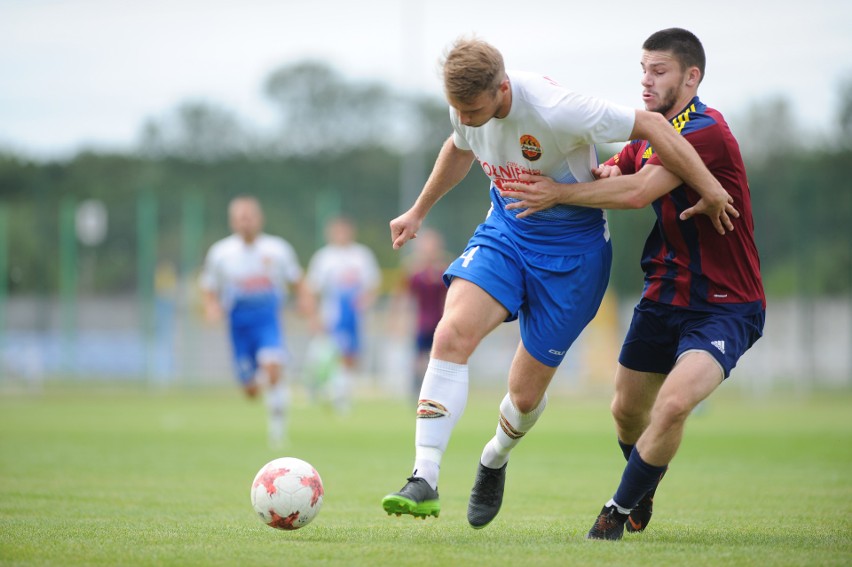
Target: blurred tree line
358,148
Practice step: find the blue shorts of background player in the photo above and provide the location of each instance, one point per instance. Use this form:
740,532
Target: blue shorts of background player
660,334
553,297
255,344
348,340
347,326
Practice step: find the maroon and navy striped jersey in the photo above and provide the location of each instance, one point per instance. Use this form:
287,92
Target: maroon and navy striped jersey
687,263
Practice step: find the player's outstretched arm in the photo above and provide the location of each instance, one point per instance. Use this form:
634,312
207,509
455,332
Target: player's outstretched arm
680,158
450,168
212,308
612,191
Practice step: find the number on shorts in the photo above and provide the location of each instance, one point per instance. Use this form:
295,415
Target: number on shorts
468,256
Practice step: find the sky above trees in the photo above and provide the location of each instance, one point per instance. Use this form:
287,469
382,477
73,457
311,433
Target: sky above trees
89,73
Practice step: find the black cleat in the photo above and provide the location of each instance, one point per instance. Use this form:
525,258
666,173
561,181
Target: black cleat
609,525
641,514
416,498
486,496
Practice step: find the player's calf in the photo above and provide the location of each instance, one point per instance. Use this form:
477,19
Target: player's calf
640,516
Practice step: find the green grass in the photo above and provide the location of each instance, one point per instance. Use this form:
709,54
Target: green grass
132,477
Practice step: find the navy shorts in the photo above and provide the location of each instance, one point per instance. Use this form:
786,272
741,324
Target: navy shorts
553,297
423,341
660,333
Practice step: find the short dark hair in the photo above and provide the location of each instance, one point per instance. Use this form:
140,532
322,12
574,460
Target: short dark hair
683,44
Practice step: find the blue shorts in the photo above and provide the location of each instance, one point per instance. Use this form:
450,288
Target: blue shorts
348,339
344,321
553,297
255,344
660,333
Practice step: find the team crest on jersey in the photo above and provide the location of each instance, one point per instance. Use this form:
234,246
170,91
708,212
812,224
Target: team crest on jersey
530,147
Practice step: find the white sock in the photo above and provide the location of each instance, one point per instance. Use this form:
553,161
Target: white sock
617,507
278,405
443,398
511,428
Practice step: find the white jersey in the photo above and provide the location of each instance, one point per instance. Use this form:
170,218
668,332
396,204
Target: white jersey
255,274
339,274
549,131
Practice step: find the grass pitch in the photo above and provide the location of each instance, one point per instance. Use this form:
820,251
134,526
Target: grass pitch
133,477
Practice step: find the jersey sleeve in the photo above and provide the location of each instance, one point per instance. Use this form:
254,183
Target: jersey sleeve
582,119
710,145
372,273
292,270
707,140
458,139
316,271
208,279
625,160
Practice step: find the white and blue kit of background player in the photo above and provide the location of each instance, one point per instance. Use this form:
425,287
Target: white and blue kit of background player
550,270
341,274
251,281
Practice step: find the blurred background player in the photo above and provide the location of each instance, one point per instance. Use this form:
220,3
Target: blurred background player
247,276
343,278
703,304
422,281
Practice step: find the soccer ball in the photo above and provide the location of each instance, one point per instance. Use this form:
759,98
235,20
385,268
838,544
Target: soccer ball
287,493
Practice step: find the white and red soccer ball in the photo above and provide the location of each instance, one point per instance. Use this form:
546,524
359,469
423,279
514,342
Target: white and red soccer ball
287,493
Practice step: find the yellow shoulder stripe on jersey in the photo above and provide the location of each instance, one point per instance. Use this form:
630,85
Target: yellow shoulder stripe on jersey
678,122
681,119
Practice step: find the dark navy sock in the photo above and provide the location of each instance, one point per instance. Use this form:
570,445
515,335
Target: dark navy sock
639,477
626,449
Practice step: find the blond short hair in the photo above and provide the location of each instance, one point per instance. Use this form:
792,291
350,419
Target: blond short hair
472,67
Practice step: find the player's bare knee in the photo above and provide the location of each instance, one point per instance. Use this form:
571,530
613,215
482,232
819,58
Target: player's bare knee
620,414
627,415
450,343
672,410
525,403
